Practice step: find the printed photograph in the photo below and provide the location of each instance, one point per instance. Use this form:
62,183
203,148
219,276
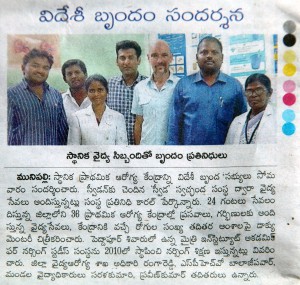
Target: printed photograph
141,89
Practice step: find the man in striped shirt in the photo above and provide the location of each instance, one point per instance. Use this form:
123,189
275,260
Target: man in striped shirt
120,88
36,115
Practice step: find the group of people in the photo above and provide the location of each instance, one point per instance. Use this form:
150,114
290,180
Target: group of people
205,108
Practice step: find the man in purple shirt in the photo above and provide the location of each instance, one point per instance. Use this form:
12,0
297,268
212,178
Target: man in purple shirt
36,115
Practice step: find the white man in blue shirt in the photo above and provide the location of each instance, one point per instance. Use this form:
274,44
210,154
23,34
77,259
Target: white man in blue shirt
152,98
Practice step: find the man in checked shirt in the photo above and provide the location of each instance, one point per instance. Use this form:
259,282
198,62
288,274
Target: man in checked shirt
121,87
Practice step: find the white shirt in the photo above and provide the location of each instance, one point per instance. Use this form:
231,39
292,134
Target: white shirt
84,128
71,105
266,132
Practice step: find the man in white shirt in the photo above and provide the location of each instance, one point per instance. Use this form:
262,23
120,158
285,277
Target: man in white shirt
75,98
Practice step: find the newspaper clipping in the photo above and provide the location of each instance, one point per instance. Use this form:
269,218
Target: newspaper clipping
150,142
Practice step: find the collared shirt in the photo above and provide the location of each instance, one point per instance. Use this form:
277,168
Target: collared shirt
71,106
265,134
154,105
32,121
201,114
84,128
120,99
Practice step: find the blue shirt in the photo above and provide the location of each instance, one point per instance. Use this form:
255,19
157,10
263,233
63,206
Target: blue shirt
201,114
154,105
32,121
119,98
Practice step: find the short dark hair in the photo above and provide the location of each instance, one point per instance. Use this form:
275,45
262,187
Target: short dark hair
210,39
261,78
127,44
37,53
71,62
96,77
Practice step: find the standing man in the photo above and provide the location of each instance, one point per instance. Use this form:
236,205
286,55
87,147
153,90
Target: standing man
36,115
205,103
152,98
74,73
121,87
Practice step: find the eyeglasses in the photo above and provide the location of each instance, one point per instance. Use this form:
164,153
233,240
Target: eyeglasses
258,91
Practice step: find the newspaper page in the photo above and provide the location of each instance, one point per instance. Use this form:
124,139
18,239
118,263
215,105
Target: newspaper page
145,214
